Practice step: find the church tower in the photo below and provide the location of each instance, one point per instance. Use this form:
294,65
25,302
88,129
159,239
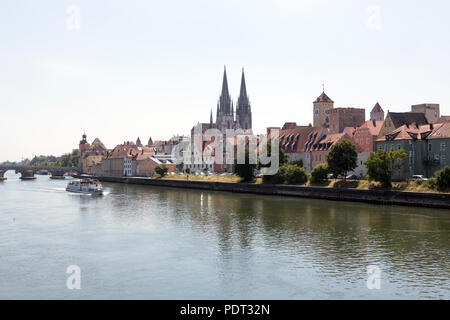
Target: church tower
243,109
377,113
225,116
321,110
82,148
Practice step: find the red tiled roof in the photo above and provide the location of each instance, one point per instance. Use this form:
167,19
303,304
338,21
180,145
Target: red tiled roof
373,126
416,132
293,140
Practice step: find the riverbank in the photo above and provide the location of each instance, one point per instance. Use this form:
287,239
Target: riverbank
377,196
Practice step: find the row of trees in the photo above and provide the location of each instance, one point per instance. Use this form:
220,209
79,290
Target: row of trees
342,158
66,160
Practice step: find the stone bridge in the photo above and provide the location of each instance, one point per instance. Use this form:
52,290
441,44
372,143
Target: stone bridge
27,172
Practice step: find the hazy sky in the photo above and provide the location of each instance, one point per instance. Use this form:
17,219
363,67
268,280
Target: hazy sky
154,68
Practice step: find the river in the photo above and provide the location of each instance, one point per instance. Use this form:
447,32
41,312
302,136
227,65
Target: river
144,242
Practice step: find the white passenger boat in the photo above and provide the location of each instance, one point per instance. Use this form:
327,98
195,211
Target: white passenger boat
86,186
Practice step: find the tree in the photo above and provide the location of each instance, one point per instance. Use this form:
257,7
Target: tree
294,174
320,173
298,163
443,178
161,169
342,157
382,165
283,159
244,170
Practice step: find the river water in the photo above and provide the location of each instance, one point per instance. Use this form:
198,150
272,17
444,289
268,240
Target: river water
143,242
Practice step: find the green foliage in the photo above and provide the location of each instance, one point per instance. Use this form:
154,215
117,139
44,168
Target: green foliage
283,159
320,173
342,157
66,160
281,154
294,174
277,178
443,178
244,170
382,165
298,163
161,169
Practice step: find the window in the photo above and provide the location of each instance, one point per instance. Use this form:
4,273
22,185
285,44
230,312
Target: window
429,147
443,146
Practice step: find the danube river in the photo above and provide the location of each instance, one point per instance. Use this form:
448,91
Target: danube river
143,242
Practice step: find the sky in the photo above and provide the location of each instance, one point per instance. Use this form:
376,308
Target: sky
119,70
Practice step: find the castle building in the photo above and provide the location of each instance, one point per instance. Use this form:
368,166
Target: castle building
321,110
340,118
430,110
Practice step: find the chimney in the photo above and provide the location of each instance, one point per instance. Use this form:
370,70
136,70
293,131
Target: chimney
374,122
431,126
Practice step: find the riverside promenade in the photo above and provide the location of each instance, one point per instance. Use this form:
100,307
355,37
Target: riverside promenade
376,196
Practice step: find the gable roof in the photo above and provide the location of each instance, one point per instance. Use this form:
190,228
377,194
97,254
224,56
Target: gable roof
374,127
401,118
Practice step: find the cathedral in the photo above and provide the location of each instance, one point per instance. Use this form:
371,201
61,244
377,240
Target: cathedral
226,116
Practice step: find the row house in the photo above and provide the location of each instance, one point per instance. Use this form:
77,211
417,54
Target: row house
309,144
319,145
293,140
365,137
427,147
119,161
146,163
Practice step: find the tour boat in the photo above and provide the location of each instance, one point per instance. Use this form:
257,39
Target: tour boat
86,186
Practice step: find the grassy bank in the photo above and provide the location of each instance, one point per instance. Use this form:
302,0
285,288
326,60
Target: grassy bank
199,177
415,186
410,185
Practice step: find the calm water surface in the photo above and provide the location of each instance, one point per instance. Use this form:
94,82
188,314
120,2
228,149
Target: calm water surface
142,242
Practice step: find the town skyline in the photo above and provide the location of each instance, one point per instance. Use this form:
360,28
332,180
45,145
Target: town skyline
162,80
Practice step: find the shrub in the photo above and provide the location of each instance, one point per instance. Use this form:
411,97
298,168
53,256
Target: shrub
443,178
298,163
320,173
161,169
294,174
277,178
245,170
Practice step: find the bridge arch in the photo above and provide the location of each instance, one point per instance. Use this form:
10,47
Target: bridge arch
27,172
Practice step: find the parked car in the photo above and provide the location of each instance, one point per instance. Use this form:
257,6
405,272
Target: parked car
352,176
419,177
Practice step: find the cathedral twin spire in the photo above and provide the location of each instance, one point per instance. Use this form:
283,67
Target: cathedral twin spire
225,107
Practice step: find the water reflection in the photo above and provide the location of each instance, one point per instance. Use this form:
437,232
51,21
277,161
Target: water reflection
176,243
338,238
